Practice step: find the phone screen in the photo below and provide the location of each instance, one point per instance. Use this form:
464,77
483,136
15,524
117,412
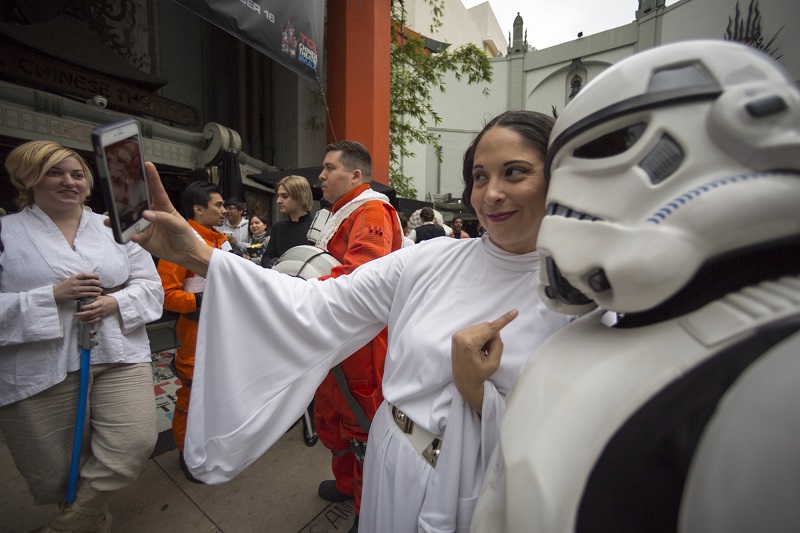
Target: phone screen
127,180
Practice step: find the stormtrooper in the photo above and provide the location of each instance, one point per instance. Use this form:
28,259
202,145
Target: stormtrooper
674,208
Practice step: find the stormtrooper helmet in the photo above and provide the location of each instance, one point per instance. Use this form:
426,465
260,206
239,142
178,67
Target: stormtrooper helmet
306,262
667,160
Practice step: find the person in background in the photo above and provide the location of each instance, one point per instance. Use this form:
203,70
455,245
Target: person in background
363,226
259,238
439,219
404,224
294,201
55,252
459,233
234,226
183,293
431,439
429,229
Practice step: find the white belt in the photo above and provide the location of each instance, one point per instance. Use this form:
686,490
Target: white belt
426,443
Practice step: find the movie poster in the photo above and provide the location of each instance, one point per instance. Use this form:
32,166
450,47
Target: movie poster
289,32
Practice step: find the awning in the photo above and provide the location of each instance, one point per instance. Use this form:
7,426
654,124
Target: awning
290,32
271,179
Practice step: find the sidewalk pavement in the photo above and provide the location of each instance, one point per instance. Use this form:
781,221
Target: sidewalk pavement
277,493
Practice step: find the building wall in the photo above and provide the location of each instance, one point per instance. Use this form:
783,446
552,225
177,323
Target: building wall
477,25
692,19
181,56
548,85
240,100
465,110
489,28
460,25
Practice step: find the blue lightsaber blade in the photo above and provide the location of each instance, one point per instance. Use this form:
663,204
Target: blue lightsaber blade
86,342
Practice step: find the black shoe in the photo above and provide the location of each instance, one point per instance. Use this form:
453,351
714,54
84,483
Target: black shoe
354,529
329,492
185,469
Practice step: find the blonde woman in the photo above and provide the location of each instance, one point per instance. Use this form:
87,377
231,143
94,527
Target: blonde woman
57,251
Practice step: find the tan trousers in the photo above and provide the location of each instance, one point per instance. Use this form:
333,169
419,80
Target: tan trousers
119,434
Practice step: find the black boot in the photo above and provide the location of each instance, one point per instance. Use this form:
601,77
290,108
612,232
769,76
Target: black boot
185,469
328,492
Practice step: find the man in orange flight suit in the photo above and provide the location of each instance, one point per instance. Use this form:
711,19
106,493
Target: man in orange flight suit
183,293
364,229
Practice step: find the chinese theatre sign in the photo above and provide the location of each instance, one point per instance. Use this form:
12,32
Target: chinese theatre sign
39,71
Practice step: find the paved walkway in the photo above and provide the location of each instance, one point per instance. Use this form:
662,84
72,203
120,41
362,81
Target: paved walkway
277,493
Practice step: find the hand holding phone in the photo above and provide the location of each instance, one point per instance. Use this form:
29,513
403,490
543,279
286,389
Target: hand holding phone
120,167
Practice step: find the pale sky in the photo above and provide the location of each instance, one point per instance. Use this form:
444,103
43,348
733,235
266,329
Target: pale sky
551,22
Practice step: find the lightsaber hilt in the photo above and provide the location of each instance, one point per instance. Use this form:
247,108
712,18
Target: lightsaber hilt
87,332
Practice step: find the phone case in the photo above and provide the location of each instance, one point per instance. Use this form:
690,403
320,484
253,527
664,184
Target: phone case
121,227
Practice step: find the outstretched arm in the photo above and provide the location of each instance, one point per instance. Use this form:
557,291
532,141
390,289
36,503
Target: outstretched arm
169,236
475,356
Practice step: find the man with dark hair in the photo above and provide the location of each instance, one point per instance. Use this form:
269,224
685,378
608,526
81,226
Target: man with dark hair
428,229
363,226
235,226
183,293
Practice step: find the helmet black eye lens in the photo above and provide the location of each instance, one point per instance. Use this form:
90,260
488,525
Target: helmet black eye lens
612,143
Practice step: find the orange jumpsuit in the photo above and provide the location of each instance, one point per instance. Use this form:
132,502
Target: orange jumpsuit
371,231
177,299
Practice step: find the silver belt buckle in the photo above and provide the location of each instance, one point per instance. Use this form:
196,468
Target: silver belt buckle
431,453
402,421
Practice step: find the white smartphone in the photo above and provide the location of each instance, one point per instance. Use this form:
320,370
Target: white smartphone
120,168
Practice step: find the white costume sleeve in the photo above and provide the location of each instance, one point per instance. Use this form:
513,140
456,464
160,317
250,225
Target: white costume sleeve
142,299
248,390
29,316
28,309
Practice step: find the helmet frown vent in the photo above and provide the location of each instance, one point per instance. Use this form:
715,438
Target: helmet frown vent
664,159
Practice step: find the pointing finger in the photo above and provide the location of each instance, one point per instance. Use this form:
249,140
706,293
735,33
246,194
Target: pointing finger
501,322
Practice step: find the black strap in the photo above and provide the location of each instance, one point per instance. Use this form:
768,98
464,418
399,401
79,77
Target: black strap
361,416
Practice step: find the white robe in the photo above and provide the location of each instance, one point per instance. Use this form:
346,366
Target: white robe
248,390
39,337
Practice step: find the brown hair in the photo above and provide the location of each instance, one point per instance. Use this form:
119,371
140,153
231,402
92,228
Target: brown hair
298,189
532,126
354,156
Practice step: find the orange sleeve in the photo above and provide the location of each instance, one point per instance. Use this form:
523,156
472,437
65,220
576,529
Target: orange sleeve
372,232
175,298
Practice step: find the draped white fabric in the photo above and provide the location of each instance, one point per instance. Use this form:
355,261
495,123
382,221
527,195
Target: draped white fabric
248,390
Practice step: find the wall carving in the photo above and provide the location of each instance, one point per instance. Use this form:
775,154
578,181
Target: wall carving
29,125
124,26
748,30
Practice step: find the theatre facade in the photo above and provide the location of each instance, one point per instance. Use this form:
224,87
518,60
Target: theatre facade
195,87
